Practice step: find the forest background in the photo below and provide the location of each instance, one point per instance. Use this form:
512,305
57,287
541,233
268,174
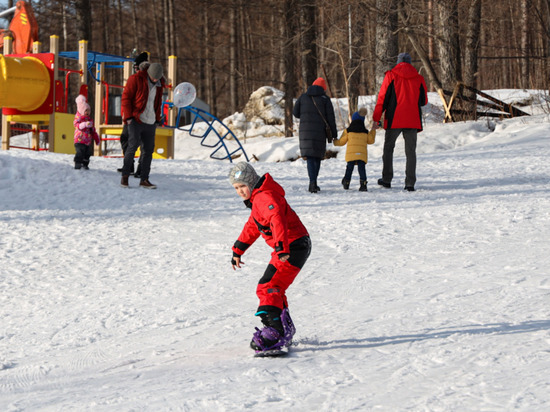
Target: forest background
230,48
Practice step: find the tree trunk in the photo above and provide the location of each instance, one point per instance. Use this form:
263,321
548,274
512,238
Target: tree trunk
233,102
449,46
83,10
357,35
386,38
308,10
289,6
471,53
136,28
524,4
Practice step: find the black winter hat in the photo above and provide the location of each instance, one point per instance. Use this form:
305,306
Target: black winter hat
143,57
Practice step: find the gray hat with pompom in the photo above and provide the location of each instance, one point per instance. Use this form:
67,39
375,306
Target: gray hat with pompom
244,173
404,58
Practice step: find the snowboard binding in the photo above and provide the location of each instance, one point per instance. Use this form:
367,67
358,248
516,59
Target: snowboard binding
268,339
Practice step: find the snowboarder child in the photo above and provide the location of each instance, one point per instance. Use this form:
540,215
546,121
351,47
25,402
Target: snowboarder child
273,219
84,133
357,138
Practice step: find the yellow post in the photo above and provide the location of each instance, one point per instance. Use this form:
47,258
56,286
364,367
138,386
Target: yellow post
127,72
172,61
54,49
36,47
6,127
83,61
8,45
98,119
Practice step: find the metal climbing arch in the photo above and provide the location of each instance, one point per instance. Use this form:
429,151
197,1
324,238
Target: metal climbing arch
216,135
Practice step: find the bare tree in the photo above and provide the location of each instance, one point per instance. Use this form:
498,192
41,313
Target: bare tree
449,45
233,101
308,10
288,14
386,38
524,5
471,52
83,9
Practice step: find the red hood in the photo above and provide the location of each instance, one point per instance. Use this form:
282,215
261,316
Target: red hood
405,70
268,185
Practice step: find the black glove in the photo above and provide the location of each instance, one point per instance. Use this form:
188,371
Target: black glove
233,261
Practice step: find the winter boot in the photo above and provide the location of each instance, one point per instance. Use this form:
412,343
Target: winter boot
77,165
313,188
345,183
268,338
363,187
146,184
124,181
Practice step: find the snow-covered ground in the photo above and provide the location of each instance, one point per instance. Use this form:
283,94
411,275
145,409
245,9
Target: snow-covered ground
438,300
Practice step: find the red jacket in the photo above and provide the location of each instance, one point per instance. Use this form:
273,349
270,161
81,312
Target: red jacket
402,94
135,95
271,217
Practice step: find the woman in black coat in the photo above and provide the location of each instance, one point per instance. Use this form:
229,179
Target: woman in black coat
315,111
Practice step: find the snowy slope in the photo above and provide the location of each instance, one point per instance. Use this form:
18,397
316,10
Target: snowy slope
437,300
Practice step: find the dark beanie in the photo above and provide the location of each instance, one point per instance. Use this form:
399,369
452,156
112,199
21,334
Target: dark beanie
142,57
404,58
244,173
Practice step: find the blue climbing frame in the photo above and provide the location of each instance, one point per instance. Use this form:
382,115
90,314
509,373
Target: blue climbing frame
214,124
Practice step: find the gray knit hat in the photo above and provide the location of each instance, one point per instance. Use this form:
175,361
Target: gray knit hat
155,71
404,58
244,173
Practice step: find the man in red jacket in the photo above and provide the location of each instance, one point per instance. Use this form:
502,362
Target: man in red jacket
401,96
272,218
141,111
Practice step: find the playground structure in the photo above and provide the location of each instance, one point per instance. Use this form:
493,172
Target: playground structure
33,93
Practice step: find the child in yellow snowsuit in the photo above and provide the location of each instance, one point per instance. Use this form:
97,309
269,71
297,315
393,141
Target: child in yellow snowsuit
357,138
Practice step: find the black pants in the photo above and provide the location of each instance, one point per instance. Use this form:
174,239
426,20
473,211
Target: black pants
139,134
83,153
124,144
410,152
360,168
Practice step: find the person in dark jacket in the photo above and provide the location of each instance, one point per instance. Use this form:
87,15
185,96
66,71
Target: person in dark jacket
141,110
315,111
272,218
401,96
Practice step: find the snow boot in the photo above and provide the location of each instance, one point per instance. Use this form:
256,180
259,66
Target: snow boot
345,183
384,184
268,337
313,188
277,333
363,187
78,165
146,184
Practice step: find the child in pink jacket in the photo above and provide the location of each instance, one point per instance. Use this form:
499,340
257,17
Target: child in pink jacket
84,133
